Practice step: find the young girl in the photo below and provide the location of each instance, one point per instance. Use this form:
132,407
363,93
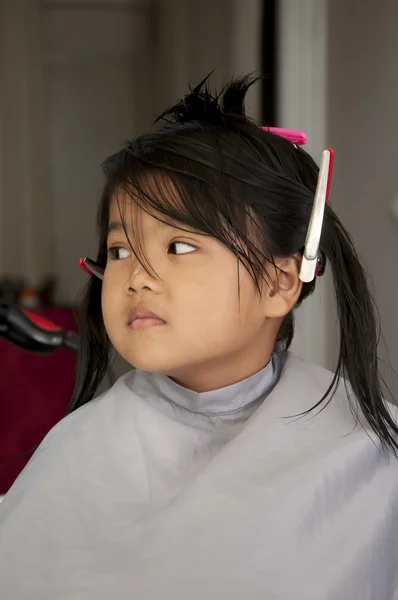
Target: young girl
222,466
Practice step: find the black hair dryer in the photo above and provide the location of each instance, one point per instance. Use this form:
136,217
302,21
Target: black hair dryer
32,332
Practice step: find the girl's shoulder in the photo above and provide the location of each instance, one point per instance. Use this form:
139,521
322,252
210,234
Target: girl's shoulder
304,391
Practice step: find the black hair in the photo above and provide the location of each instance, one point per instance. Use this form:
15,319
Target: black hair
213,169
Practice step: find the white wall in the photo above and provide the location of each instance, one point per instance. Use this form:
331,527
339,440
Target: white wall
363,129
97,73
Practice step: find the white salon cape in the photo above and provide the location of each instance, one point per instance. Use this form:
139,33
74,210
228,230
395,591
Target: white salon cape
155,492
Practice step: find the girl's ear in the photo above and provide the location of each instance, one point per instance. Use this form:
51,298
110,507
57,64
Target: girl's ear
283,286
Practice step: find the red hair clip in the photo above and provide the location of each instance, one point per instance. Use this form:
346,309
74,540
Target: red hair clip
91,267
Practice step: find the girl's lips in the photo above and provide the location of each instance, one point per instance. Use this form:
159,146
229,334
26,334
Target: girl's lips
145,323
141,312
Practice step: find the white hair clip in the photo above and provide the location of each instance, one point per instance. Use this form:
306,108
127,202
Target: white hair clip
309,265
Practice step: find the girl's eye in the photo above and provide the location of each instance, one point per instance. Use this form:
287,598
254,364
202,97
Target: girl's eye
186,248
118,253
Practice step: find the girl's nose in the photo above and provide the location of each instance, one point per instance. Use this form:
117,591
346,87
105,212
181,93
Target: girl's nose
140,279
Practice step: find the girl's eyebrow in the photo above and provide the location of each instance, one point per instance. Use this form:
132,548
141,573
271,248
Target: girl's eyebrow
118,226
114,226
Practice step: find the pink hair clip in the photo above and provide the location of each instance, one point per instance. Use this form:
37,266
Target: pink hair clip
296,137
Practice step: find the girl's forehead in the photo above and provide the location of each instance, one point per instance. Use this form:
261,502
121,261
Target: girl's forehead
124,209
131,204
122,205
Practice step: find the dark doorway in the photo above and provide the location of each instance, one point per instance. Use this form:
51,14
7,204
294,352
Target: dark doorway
269,63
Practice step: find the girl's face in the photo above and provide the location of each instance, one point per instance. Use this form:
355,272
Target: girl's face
207,341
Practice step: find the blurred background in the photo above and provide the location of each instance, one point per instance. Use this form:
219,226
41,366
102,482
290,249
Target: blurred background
80,77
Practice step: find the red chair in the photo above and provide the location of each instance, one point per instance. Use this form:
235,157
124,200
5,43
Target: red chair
34,393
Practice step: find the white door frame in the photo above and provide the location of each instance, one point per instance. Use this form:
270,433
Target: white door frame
302,104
